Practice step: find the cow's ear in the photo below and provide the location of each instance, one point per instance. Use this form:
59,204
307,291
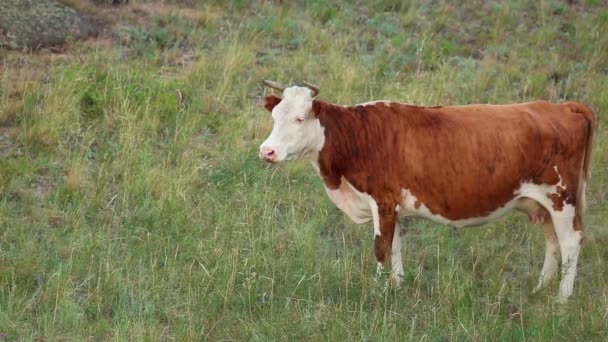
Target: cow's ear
270,102
317,107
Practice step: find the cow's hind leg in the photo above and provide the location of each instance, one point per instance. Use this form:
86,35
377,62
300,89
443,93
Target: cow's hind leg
396,261
569,240
550,265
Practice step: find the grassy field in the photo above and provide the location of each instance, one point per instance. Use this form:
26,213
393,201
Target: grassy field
133,205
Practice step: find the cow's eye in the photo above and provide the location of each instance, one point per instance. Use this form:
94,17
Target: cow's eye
299,119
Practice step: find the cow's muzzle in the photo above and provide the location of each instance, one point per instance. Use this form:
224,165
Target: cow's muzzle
268,154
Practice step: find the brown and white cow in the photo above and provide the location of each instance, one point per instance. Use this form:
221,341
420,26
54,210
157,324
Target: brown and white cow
455,165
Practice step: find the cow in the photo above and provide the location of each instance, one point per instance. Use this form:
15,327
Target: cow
461,166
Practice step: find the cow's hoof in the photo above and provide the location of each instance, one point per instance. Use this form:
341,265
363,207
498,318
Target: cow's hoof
561,300
397,279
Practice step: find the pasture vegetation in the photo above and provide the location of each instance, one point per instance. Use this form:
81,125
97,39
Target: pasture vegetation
133,204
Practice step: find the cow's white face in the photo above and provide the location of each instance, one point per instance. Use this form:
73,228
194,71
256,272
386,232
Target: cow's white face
296,132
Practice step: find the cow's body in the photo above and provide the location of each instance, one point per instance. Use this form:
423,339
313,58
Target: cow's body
455,165
459,165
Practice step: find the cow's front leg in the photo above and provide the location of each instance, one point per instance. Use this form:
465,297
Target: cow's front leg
396,262
384,218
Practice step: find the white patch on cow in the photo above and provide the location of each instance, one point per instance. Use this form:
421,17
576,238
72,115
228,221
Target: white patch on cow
295,132
371,103
358,206
355,204
560,183
375,215
569,245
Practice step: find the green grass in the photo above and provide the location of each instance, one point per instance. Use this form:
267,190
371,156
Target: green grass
133,205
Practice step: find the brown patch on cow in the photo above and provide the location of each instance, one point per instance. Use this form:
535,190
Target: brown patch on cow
271,101
558,203
577,225
549,176
382,248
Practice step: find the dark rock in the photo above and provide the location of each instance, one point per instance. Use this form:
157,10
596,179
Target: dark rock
32,24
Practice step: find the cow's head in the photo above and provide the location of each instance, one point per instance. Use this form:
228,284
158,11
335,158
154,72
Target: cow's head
297,132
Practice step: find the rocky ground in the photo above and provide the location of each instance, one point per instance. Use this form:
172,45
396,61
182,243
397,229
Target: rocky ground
32,24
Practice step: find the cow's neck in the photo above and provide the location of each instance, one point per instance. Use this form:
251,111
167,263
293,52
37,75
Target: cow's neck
339,142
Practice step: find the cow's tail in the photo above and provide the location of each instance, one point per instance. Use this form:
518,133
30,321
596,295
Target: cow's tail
582,109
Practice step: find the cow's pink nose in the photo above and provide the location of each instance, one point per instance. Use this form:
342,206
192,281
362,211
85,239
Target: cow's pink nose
268,154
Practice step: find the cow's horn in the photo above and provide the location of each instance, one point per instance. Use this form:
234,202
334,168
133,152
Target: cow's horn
274,85
315,89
